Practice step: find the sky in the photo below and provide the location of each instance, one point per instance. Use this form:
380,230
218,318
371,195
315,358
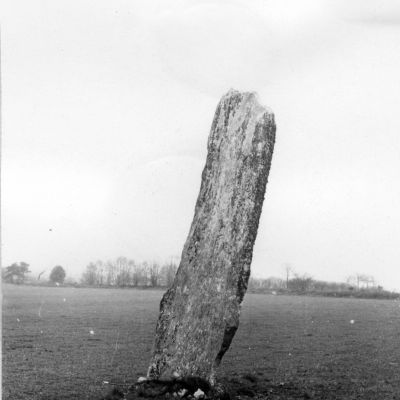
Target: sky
107,107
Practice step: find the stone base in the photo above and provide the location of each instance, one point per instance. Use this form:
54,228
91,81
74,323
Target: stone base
185,388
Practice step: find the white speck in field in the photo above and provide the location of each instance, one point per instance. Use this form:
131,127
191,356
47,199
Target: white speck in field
64,299
57,284
18,320
198,394
105,382
41,331
91,332
175,374
141,379
290,354
352,321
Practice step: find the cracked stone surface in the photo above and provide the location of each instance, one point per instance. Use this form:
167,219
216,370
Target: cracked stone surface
199,314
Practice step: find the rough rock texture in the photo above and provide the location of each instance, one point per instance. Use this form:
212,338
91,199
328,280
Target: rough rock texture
199,314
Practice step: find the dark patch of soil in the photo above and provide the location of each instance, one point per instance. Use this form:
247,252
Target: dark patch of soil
245,387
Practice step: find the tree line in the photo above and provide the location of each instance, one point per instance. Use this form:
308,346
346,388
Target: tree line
298,284
124,272
121,272
357,285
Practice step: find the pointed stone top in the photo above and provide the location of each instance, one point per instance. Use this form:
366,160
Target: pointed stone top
252,98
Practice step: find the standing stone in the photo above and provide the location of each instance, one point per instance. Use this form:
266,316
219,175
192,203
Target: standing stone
199,314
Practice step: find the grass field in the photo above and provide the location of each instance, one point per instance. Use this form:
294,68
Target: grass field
67,343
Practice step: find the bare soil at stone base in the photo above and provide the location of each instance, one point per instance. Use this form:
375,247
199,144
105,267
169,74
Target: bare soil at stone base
76,343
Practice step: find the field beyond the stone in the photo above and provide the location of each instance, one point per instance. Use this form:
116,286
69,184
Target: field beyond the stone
75,343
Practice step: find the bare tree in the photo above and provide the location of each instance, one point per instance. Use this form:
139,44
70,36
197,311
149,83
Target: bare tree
367,281
100,272
351,280
361,281
145,273
288,270
301,283
275,283
138,274
254,283
154,274
167,273
122,276
38,278
110,273
89,277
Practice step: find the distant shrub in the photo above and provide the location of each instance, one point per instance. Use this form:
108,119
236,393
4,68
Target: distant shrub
361,294
306,286
376,294
57,274
15,273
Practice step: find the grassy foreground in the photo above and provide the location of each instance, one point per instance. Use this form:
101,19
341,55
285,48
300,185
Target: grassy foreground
64,343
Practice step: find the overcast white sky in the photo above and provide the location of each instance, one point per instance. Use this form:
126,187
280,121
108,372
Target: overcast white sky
107,107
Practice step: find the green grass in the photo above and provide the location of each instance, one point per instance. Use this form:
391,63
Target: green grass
297,347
